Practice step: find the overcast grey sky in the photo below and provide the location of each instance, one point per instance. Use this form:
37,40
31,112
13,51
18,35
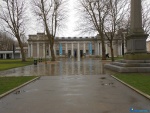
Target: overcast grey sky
69,31
71,22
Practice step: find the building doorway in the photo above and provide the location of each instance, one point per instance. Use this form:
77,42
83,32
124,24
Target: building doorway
69,53
75,53
81,53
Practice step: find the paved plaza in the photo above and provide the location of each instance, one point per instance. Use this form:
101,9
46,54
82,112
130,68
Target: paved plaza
71,87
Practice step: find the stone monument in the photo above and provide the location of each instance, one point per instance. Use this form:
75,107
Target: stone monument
136,59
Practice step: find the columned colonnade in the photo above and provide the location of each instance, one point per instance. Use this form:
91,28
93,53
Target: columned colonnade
71,48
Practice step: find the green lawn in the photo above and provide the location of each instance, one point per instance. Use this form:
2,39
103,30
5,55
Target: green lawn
8,83
9,64
140,81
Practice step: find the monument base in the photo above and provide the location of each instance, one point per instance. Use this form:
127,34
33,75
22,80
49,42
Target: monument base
132,66
137,56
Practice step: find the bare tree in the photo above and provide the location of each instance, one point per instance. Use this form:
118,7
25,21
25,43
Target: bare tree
117,10
12,13
94,13
146,16
6,42
51,13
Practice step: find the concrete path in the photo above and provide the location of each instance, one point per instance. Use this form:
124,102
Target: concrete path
74,94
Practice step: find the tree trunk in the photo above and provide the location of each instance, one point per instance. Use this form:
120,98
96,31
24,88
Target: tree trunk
52,52
21,48
103,45
112,52
103,50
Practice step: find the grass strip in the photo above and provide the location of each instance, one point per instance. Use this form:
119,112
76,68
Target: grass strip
11,63
8,83
139,81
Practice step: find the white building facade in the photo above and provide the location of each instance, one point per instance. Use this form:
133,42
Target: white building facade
38,46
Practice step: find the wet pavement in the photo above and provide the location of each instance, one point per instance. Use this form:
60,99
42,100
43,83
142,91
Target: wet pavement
61,67
92,93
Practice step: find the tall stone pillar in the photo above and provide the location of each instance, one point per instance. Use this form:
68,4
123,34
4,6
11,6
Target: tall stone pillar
136,41
137,59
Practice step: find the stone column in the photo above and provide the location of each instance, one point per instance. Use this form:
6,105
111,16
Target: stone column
49,50
121,49
5,56
84,51
136,41
66,49
13,55
98,48
38,49
106,48
136,17
72,52
78,52
44,50
55,49
31,49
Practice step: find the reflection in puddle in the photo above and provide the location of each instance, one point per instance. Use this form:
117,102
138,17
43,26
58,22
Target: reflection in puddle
63,67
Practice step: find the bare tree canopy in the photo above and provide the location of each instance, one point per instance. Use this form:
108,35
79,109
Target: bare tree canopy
94,13
117,11
51,13
146,16
6,42
12,14
103,16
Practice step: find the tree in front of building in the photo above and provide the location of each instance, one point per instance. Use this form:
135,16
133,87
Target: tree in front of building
94,13
12,14
51,13
117,10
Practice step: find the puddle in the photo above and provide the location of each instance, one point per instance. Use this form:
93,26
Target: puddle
67,67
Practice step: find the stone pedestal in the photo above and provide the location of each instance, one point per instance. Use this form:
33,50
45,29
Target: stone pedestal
136,59
136,43
132,66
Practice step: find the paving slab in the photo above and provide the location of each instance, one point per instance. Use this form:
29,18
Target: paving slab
74,94
71,87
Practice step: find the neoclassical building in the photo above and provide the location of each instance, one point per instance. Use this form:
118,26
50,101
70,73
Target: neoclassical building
38,46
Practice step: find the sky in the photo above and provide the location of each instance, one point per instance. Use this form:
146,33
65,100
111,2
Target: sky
69,31
71,22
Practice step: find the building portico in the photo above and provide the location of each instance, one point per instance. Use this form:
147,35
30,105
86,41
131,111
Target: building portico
38,46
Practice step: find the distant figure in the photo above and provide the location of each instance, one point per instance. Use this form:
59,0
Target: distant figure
107,55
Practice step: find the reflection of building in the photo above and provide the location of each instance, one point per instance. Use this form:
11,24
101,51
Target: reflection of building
38,46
